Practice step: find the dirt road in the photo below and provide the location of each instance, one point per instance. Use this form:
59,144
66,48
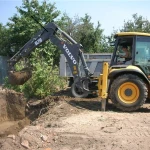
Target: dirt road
78,124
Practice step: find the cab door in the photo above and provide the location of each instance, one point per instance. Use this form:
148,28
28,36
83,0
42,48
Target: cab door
120,41
142,54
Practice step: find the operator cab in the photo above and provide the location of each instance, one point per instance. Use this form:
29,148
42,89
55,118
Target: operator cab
120,53
138,45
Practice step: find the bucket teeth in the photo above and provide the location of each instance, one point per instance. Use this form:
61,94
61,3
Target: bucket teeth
19,77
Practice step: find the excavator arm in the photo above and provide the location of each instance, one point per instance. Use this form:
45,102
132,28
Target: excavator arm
70,48
41,37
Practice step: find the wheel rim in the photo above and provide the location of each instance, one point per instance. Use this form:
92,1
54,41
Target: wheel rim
128,92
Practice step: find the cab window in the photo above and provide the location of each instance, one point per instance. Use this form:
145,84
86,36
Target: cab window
128,41
142,54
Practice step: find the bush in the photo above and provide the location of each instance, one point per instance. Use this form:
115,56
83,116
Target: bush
45,81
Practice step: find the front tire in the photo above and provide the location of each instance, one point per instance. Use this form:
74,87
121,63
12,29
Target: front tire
128,92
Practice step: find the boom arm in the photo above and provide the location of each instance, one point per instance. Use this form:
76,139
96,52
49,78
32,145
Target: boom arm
70,48
33,43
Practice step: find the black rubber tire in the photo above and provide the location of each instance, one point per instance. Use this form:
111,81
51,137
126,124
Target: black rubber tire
143,92
75,92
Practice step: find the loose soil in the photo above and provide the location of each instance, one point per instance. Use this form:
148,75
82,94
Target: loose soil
61,122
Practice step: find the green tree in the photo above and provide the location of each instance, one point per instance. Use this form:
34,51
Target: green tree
137,24
84,32
22,27
4,45
110,39
90,37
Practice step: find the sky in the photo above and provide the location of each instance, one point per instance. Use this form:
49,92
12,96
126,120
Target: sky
110,13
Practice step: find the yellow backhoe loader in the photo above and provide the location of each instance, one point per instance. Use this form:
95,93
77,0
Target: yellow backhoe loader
125,80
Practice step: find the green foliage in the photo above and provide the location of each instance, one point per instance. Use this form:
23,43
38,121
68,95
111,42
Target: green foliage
84,32
22,27
45,81
108,41
4,45
137,24
105,45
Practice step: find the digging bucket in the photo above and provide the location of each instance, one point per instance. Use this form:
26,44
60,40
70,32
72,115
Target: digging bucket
19,77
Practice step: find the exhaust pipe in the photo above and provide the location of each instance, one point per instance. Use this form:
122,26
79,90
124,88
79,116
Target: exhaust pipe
19,77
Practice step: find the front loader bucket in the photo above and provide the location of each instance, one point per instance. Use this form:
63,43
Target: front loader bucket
19,77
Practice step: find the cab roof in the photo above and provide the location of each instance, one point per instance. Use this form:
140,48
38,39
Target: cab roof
132,34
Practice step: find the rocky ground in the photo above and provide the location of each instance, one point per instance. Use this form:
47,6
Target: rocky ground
61,122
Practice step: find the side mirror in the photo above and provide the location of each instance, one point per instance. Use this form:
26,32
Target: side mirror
112,43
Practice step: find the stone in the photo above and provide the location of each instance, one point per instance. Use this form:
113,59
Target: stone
12,136
25,143
44,137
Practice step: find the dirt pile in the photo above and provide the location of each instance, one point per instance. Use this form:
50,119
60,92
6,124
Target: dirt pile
16,113
78,124
66,123
12,112
13,104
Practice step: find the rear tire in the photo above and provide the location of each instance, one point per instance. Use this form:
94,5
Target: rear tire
78,93
128,92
